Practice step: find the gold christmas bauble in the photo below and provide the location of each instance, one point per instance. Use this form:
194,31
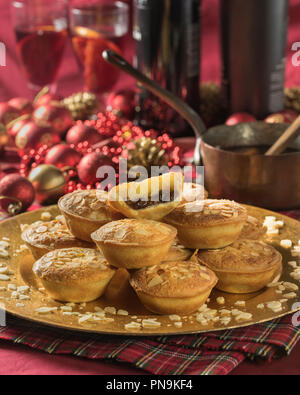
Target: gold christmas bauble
48,182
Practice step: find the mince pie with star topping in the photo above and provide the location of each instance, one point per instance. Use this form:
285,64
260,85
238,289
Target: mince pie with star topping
74,274
86,211
43,237
245,266
134,243
179,287
208,224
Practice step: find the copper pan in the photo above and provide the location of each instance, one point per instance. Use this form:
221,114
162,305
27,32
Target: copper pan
266,181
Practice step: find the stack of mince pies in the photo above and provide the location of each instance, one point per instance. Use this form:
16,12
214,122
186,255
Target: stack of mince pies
163,236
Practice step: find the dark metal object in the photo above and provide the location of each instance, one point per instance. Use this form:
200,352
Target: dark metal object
266,181
175,102
254,35
167,35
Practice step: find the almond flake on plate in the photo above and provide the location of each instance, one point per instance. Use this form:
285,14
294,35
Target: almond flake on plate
290,286
4,277
85,318
243,317
220,300
174,317
286,243
178,324
290,295
150,323
132,326
122,312
110,310
45,310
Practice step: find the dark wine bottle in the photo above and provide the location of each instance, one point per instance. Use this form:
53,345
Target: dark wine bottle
167,35
253,35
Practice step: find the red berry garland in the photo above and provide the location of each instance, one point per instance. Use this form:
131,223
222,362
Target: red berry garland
117,138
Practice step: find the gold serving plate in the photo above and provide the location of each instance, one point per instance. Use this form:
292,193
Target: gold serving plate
20,265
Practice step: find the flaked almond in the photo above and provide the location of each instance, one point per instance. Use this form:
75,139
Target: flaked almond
243,317
155,281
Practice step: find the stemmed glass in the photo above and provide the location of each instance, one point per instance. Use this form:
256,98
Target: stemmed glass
96,26
41,34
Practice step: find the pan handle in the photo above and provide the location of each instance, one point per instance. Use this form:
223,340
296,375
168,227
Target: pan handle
174,101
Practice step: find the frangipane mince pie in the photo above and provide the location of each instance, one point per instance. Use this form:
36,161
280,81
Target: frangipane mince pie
208,223
245,266
133,243
192,192
179,287
86,211
74,274
43,237
253,229
152,198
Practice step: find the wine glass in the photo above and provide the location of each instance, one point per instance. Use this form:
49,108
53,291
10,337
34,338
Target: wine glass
41,34
95,27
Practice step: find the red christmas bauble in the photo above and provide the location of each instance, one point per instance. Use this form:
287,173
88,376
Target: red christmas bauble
284,116
48,98
81,132
15,126
17,187
32,136
55,116
122,103
7,113
239,117
22,105
62,155
89,165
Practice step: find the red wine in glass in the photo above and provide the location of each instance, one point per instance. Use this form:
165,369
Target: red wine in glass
95,27
88,46
40,50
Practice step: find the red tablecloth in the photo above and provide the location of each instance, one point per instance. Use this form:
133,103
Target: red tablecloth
21,360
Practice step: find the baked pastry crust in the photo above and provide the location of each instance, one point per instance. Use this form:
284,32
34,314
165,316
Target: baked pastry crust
179,287
244,267
152,198
42,237
133,243
86,211
253,229
74,274
208,224
192,192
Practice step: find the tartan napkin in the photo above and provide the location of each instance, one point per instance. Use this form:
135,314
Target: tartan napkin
206,354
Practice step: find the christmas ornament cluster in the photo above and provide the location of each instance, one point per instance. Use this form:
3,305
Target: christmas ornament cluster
62,143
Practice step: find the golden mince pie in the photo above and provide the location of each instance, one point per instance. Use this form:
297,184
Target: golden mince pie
208,223
253,229
152,198
133,243
179,287
178,252
43,237
245,266
86,211
74,274
192,192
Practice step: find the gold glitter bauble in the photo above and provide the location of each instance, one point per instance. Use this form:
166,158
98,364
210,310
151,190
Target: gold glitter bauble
48,182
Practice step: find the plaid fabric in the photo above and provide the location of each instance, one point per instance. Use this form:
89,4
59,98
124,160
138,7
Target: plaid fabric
206,354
